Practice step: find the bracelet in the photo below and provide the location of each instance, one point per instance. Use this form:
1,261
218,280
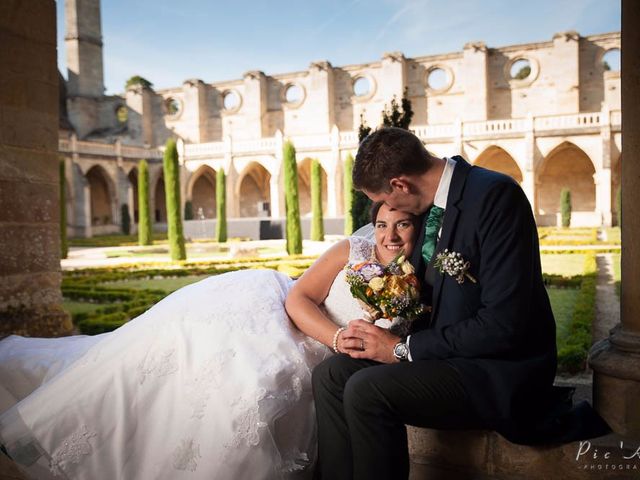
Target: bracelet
335,338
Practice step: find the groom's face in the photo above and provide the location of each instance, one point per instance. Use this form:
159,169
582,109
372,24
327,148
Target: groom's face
403,196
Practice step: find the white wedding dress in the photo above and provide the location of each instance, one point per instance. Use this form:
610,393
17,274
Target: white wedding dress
213,382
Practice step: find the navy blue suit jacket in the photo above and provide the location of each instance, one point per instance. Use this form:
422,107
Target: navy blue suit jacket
499,332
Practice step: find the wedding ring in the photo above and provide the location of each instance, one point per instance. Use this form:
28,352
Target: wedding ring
361,344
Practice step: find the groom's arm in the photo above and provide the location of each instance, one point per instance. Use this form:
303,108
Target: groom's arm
508,254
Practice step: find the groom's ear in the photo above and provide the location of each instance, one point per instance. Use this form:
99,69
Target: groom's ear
400,183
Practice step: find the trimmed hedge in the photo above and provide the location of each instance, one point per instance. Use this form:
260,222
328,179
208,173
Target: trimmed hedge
221,207
347,182
145,227
292,203
317,225
64,246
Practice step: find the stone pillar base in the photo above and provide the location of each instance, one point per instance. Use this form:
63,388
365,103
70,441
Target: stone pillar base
616,381
50,321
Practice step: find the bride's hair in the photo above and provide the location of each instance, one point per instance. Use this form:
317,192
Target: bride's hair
375,208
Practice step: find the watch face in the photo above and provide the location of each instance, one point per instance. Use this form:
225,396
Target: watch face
401,351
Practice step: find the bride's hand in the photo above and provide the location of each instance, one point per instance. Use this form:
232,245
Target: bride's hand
378,342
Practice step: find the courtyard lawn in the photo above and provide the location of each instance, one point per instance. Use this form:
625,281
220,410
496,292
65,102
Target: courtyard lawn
564,264
613,235
113,240
615,259
167,284
74,307
563,302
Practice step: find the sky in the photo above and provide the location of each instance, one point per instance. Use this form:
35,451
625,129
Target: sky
168,42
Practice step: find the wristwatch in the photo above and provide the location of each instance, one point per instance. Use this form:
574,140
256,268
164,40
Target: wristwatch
401,351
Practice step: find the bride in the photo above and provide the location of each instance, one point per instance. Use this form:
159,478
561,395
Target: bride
212,382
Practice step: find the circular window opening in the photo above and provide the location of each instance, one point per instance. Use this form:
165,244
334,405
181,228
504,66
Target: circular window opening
361,87
172,106
122,114
293,94
611,60
437,79
520,69
230,101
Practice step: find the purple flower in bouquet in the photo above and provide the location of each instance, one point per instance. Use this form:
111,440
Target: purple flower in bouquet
371,270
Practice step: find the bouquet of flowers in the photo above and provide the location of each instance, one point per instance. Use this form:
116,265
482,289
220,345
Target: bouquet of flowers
391,292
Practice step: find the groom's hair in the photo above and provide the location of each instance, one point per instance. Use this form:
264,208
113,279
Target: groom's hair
385,154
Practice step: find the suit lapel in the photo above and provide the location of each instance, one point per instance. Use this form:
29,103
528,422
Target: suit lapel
449,223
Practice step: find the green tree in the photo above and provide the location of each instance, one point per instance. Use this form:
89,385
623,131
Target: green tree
565,207
399,115
145,236
317,225
360,203
221,207
172,191
125,219
64,246
619,206
188,210
348,194
138,80
292,203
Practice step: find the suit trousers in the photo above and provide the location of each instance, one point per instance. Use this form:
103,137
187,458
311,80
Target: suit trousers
362,407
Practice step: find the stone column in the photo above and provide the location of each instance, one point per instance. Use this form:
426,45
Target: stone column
276,184
475,80
529,164
30,297
616,360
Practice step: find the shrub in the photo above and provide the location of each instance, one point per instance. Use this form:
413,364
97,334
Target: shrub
138,80
317,226
125,219
221,207
565,207
292,204
145,236
172,191
348,194
188,210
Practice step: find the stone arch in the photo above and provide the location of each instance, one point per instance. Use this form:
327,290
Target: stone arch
566,166
160,206
101,195
132,178
616,171
201,189
253,191
304,186
498,159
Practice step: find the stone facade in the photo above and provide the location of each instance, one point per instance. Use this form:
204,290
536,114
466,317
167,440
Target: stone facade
555,124
30,298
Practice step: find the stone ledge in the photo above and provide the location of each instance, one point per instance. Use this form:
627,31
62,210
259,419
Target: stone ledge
471,454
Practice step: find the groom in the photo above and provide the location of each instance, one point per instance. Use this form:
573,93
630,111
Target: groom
486,356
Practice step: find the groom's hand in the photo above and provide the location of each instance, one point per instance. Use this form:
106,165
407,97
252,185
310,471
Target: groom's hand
378,342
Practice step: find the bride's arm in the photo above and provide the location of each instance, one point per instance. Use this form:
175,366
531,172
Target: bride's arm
309,292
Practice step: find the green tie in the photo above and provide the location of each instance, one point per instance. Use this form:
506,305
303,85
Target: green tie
434,220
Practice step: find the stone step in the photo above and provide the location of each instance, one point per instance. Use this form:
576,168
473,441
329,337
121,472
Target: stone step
479,455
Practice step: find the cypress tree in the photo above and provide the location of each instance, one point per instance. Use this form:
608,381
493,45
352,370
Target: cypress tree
565,207
360,203
348,194
292,204
64,246
188,210
221,207
317,225
125,219
172,191
145,236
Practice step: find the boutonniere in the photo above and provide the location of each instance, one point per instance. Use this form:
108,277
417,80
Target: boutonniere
453,264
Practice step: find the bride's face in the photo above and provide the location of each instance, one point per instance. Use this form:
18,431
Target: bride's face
395,232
